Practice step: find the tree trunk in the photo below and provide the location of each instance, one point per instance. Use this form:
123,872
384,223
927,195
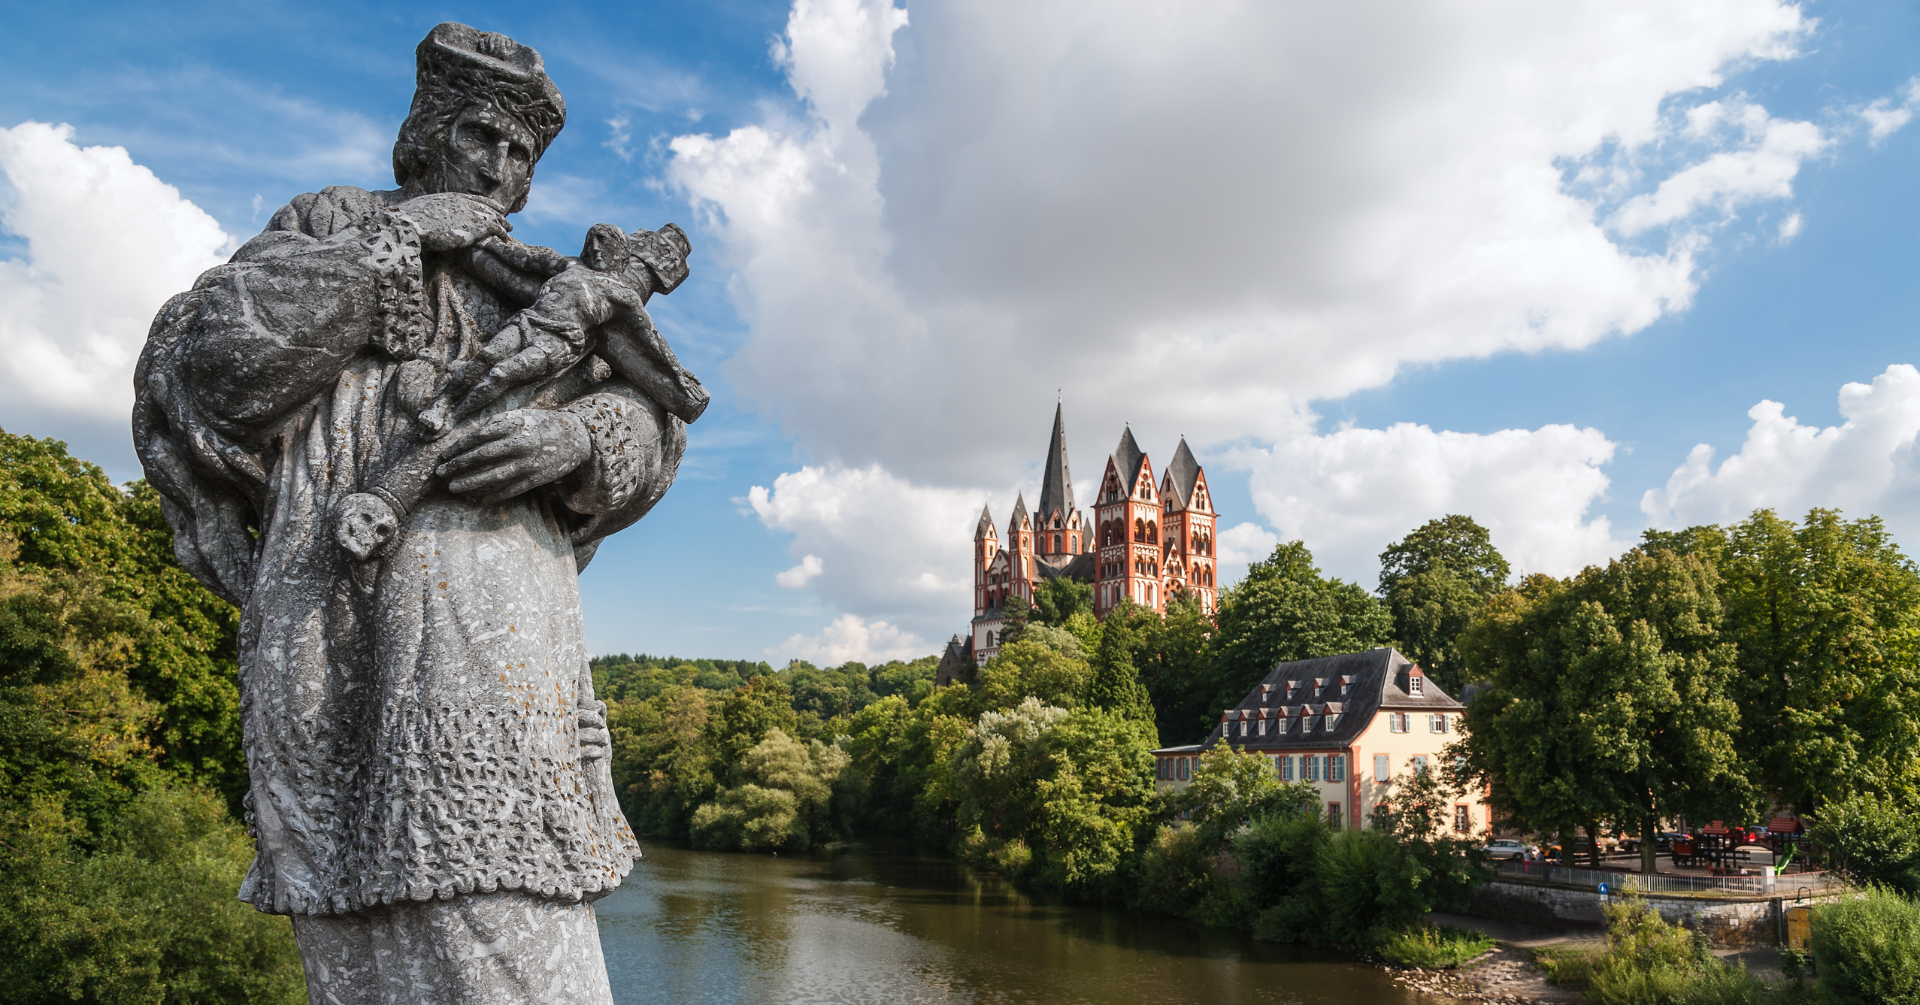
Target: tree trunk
1648,850
1593,838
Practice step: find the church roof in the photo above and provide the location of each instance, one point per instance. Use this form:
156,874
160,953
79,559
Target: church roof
1183,471
1056,485
985,526
1127,457
1019,511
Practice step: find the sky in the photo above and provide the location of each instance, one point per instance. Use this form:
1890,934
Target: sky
1575,270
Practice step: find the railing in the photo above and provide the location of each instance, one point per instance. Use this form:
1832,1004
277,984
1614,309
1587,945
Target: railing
1796,885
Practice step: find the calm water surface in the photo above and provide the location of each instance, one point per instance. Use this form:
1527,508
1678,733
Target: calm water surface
869,926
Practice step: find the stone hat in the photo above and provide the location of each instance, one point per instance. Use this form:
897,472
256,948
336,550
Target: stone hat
459,66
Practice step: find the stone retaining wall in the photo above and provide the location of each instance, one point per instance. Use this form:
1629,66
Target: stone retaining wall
1730,923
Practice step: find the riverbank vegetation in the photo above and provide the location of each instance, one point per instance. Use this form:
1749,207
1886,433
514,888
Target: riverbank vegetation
120,769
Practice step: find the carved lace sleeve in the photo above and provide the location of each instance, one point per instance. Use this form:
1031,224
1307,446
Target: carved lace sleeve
636,450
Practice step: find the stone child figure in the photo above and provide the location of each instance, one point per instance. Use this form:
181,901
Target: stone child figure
430,797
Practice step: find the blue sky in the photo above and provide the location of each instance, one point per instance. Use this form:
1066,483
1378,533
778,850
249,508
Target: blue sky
1490,259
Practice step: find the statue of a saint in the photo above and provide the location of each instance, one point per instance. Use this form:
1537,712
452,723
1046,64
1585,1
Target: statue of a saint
392,435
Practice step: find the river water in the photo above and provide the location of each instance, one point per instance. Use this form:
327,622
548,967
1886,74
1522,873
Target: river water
869,926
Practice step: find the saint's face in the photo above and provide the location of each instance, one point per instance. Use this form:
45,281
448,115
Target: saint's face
487,153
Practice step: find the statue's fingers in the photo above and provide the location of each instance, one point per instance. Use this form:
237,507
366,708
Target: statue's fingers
514,488
490,480
489,442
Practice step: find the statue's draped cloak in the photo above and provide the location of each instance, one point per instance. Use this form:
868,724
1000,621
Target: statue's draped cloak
411,725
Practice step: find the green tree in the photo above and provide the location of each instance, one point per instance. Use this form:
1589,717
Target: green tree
1827,617
1060,598
1608,699
1870,840
1116,684
68,519
1284,609
786,801
1175,667
1435,582
1025,669
664,758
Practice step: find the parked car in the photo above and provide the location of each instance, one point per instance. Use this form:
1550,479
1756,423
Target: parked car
1508,849
1665,839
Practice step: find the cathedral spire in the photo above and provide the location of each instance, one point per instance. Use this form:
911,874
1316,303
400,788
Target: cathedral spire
1056,485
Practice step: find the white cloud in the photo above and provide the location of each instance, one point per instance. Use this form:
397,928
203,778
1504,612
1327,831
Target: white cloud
1864,465
1351,492
1242,545
1765,159
1202,221
851,637
876,544
1888,115
107,243
1791,227
800,575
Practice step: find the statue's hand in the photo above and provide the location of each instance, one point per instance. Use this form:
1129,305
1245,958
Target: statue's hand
515,451
449,221
595,739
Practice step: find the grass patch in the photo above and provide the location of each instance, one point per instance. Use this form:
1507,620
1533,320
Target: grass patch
1432,946
1571,968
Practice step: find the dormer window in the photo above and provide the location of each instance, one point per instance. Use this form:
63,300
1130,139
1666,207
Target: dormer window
1415,684
1333,720
1345,682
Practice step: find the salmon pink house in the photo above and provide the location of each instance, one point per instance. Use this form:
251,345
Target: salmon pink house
1345,724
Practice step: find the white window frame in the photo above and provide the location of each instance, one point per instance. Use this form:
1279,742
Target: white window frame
1382,768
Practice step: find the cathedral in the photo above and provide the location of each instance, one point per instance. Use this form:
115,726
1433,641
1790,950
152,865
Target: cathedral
1147,541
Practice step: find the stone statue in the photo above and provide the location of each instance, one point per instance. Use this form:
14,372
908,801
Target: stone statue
393,435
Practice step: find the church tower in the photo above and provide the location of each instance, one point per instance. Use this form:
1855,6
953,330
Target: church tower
986,547
1059,529
1020,549
1188,529
1127,525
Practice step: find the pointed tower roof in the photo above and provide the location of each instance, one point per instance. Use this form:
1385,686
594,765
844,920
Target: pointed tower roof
1127,457
985,527
1019,512
1056,485
1183,470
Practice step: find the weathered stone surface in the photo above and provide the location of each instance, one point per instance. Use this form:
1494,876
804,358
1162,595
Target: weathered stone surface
393,435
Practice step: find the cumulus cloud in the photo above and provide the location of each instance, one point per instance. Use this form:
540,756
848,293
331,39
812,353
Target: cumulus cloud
1203,221
1350,492
1206,222
891,549
1767,155
107,244
800,575
850,637
1888,115
1866,464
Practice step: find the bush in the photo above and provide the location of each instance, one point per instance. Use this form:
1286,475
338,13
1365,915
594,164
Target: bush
1651,962
150,917
1867,948
1871,840
1432,946
787,802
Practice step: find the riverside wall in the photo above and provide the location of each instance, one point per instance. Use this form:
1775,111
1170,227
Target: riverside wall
1731,922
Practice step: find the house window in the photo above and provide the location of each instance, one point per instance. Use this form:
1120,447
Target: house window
1382,768
1419,764
1263,727
1333,815
1183,768
1336,767
1461,821
1436,723
1332,721
1414,684
1397,722
1309,768
1286,767
1243,727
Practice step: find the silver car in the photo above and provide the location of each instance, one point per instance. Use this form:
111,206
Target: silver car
1509,849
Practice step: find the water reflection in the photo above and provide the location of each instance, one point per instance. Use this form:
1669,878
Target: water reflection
866,926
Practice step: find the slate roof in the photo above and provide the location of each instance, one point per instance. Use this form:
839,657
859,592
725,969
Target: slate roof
1375,679
985,526
1126,459
1183,471
1080,567
1056,484
1019,512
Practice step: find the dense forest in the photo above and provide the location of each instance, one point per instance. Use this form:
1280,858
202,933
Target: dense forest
1713,672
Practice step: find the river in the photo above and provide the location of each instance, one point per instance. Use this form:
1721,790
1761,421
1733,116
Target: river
861,925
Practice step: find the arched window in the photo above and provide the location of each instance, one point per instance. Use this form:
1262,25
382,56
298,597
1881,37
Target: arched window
1139,530
1153,532
1056,542
1209,576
